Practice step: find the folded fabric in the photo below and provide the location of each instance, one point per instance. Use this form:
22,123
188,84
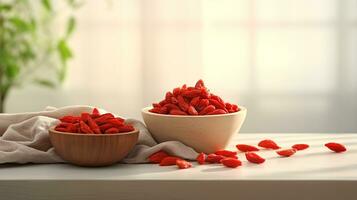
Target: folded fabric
24,138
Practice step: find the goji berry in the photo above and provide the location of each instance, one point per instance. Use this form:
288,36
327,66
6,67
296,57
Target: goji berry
336,147
300,147
199,84
207,109
268,144
183,164
125,128
174,100
286,152
171,106
182,103
201,158
202,104
169,160
191,93
231,162
85,117
254,158
112,130
158,156
217,112
246,147
194,102
106,126
192,111
168,97
164,110
84,127
176,91
156,105
226,153
163,102
228,106
213,158
70,119
217,104
103,118
177,112
95,112
92,125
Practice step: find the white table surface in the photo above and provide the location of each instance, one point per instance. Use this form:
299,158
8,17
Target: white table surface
314,173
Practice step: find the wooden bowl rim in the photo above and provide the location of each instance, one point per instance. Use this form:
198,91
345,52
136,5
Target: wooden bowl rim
240,112
52,130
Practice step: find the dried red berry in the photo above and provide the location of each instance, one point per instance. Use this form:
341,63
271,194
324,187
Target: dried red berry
254,158
336,147
158,156
226,153
300,147
231,162
268,144
183,164
170,160
246,147
201,158
286,152
213,158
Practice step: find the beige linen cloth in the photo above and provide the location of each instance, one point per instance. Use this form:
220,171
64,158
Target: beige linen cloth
24,138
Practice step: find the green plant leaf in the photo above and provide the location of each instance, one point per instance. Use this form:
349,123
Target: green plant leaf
71,24
12,70
64,51
5,7
47,4
44,82
20,24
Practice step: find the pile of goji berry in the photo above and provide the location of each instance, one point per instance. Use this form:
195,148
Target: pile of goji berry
193,101
230,158
93,123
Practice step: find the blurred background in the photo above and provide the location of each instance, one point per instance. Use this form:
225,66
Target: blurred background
292,63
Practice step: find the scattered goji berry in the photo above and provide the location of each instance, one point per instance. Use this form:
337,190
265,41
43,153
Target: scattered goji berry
254,158
268,144
286,152
201,158
183,164
246,147
300,147
213,158
226,153
231,162
158,156
169,160
336,147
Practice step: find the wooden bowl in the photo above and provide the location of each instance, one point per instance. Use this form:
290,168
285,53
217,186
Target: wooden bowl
204,133
93,149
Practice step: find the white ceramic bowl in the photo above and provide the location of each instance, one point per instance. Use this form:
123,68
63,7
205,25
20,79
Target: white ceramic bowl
204,133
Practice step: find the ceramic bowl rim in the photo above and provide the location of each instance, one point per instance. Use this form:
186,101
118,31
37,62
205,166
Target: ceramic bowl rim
146,111
52,130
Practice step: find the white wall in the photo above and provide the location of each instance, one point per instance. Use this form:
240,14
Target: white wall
291,62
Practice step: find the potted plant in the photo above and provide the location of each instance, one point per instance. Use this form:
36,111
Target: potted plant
31,49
